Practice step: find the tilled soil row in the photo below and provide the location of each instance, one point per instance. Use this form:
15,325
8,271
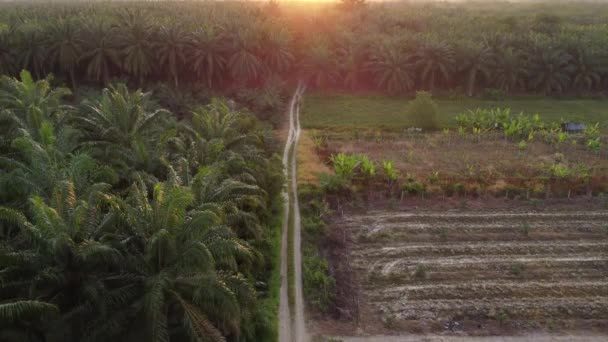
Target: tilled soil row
549,270
382,217
523,309
401,250
488,290
570,230
527,266
498,263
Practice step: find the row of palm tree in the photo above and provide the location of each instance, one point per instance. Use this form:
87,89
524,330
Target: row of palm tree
118,222
218,46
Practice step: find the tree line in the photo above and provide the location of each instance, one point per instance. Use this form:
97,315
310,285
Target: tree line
393,48
118,222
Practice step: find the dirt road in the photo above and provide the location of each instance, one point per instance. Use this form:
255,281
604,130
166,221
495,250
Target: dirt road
292,329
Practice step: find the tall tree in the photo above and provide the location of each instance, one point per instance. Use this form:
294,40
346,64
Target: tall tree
65,46
319,66
122,129
550,71
171,49
190,264
244,62
207,54
136,48
511,71
392,68
585,71
435,63
277,50
101,52
476,61
33,49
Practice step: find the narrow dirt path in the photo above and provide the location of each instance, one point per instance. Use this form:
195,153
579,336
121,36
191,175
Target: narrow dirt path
292,329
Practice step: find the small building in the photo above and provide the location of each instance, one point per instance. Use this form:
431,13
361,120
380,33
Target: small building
573,127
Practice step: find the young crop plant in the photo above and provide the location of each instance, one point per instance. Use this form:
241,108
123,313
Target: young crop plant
345,165
594,145
517,269
368,167
522,145
525,229
390,172
421,271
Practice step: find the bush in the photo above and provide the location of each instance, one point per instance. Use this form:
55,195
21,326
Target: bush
319,285
494,94
421,271
422,111
414,188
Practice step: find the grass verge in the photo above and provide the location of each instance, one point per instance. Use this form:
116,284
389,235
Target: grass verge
377,111
270,304
291,271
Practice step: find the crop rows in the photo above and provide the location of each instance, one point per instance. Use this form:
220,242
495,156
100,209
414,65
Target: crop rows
527,266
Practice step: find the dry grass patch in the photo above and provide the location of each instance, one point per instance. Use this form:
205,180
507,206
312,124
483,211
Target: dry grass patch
309,163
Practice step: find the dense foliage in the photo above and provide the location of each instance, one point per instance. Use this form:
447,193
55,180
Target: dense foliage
394,47
118,222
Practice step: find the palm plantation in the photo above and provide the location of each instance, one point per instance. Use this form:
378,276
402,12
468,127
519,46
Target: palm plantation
140,195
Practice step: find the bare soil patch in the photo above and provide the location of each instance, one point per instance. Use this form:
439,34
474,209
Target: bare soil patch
489,267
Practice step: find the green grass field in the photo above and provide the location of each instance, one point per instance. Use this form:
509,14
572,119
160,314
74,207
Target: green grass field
376,111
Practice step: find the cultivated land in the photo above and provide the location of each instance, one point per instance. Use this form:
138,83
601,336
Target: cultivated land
339,111
479,272
438,266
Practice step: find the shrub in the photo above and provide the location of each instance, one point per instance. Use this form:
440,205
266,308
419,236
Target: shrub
494,94
414,188
421,271
517,269
525,229
422,111
332,183
319,285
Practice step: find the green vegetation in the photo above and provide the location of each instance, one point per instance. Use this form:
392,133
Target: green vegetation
422,111
341,111
395,49
120,222
319,285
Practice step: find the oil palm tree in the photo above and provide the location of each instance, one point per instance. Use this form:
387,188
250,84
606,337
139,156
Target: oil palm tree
277,53
214,130
59,258
101,52
511,72
435,62
136,48
30,105
65,46
121,128
244,63
319,66
352,55
392,68
207,54
7,55
189,262
32,50
550,71
171,49
477,61
585,71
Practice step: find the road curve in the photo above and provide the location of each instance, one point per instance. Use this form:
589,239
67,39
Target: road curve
292,329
